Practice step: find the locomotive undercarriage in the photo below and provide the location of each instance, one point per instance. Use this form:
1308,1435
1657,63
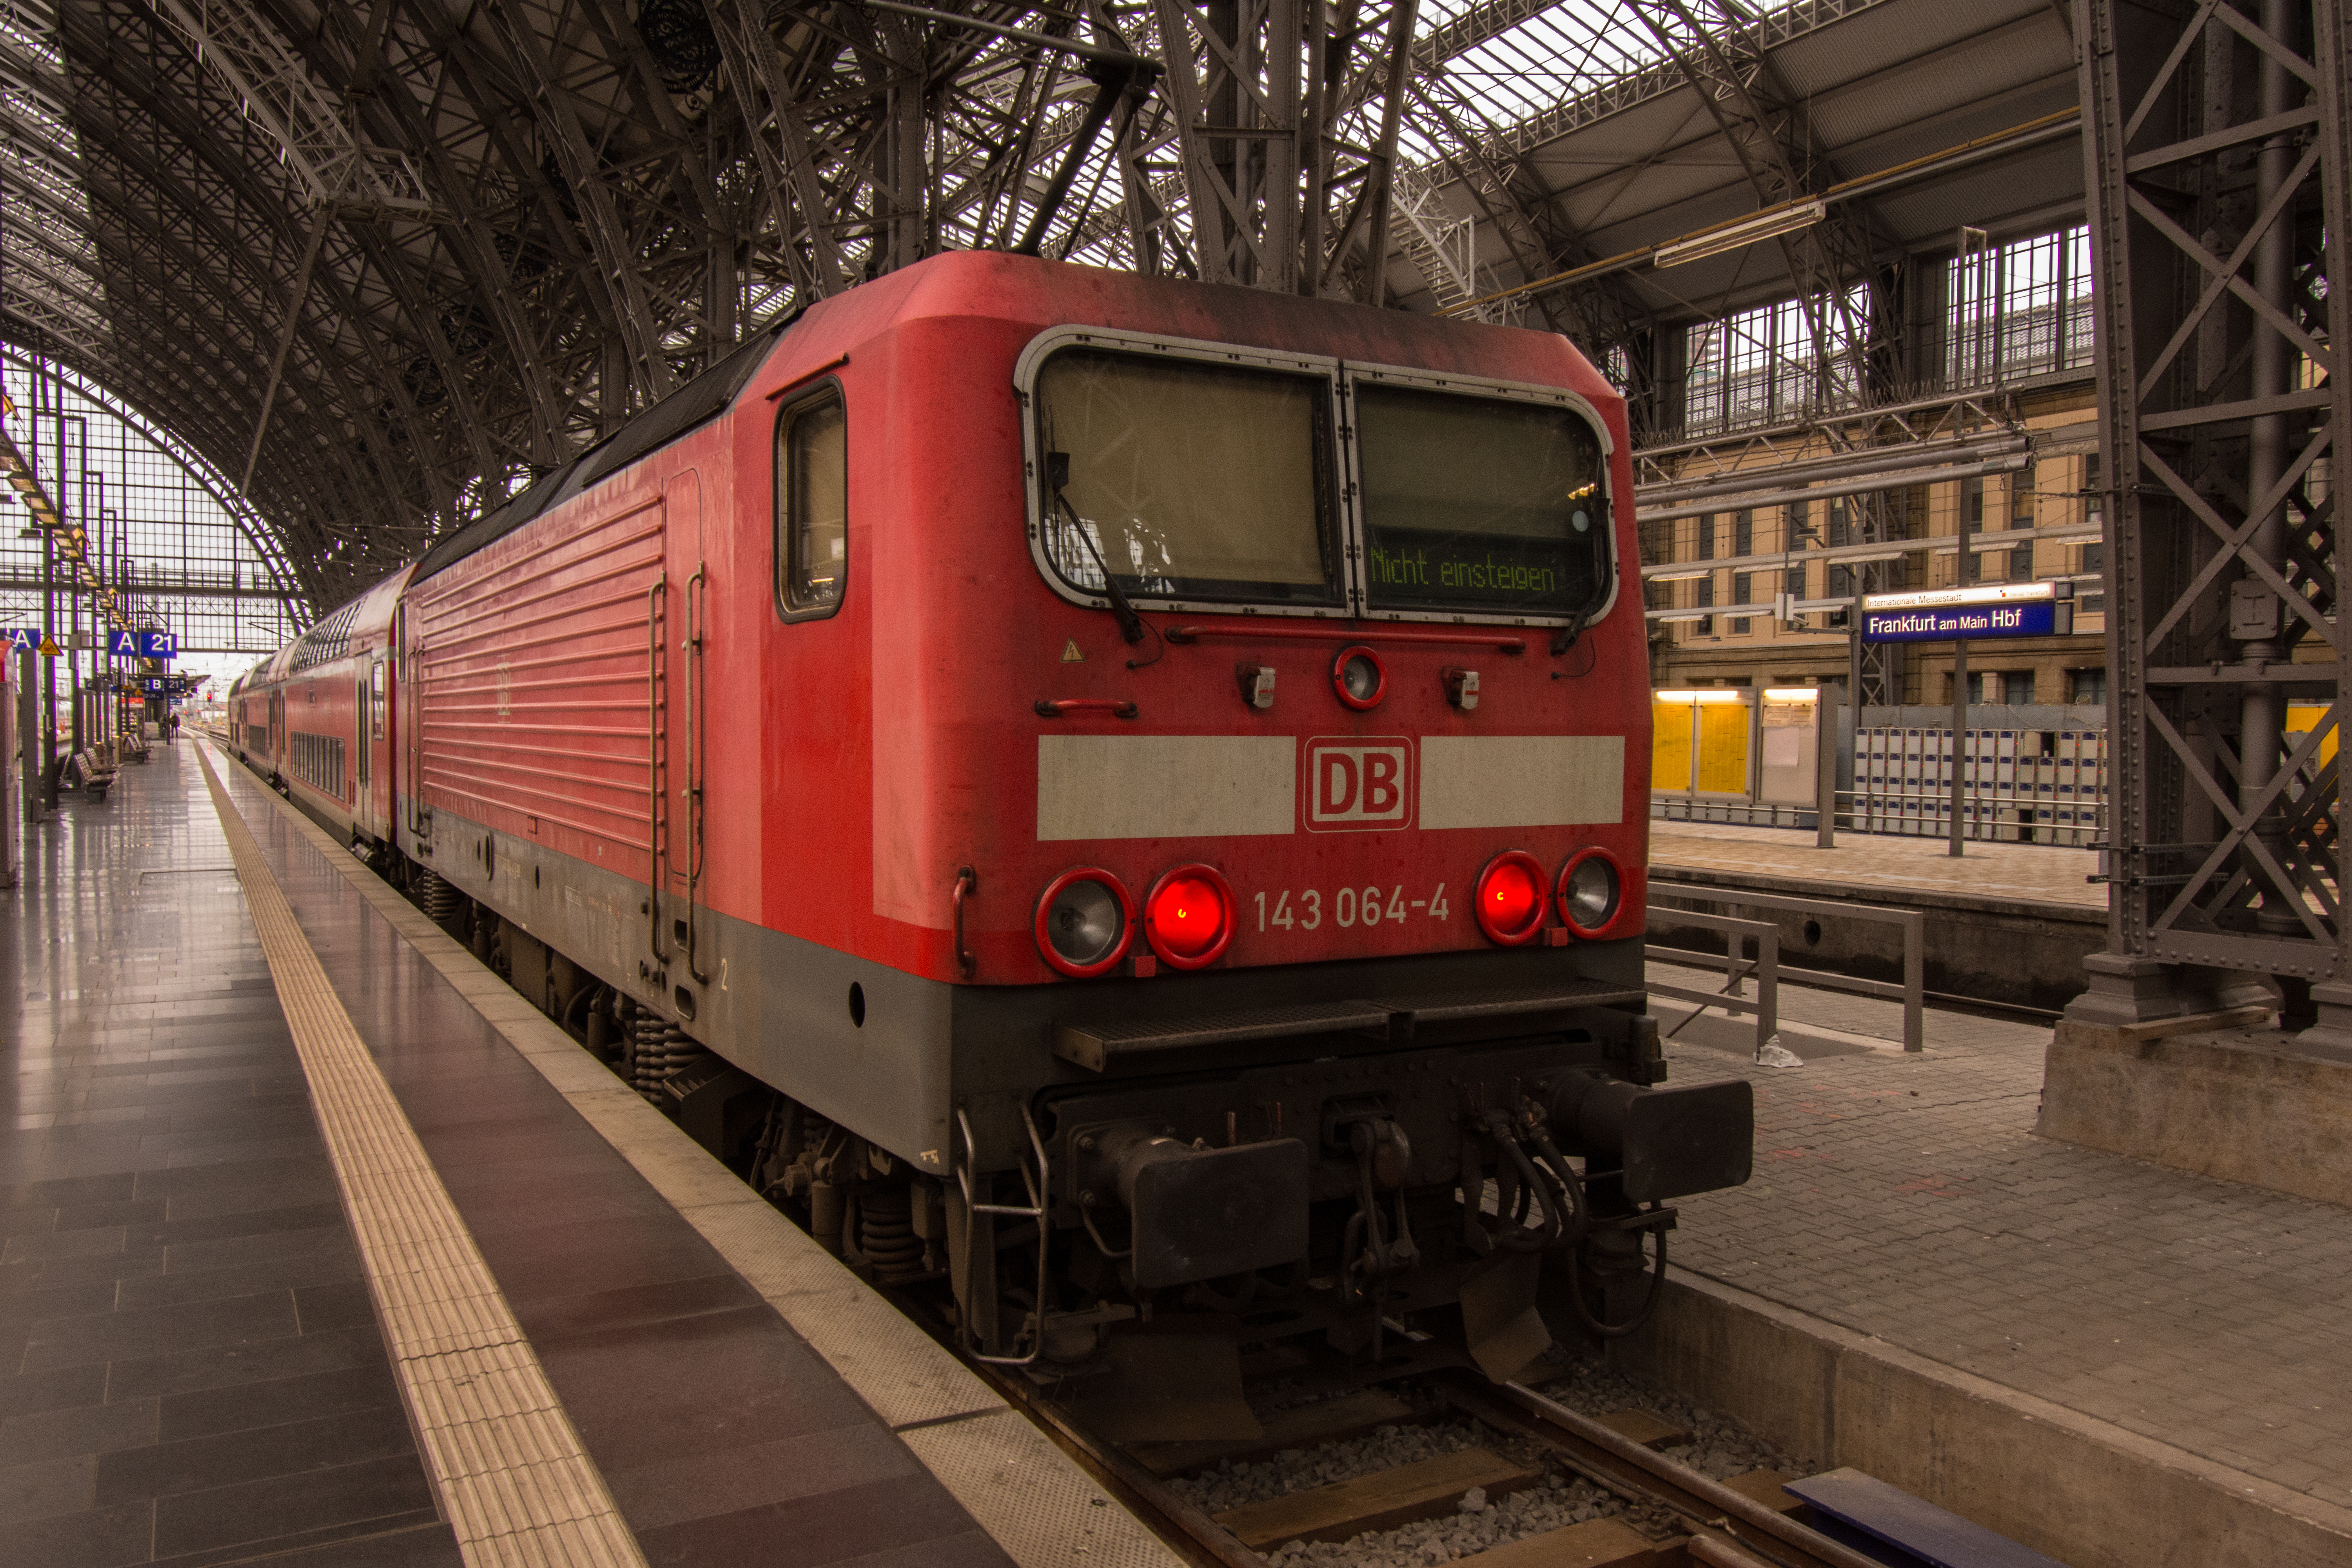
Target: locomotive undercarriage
1326,1197
1266,1189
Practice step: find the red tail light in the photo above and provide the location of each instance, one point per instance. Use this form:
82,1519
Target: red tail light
1188,917
1510,898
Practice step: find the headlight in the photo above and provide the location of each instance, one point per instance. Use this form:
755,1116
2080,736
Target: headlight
1359,678
1188,917
1084,918
1590,893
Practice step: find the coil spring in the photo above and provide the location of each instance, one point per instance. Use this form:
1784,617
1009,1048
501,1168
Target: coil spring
886,1234
438,897
661,1048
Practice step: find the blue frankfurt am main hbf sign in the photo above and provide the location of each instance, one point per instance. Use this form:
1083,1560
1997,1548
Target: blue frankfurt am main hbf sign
1948,615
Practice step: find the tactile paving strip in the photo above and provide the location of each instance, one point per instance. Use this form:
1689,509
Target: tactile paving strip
1030,1497
518,1488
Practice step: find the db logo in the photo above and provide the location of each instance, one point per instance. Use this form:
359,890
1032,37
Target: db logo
1356,786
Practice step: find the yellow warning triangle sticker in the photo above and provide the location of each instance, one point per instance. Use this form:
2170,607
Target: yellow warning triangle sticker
1070,654
49,649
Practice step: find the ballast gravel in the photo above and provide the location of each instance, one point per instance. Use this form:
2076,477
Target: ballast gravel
1720,1449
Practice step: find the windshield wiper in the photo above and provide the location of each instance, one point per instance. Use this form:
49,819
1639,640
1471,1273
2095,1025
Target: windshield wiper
1565,639
1057,476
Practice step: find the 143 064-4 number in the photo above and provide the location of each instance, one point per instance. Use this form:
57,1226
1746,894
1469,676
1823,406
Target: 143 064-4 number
1350,907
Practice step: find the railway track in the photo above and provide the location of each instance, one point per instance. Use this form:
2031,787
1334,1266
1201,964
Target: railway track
1672,1515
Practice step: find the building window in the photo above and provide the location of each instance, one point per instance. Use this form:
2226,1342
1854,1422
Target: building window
2017,687
1971,565
2095,601
2022,508
1618,366
2087,687
1794,583
1762,367
1740,582
1702,598
1705,539
2019,309
1743,534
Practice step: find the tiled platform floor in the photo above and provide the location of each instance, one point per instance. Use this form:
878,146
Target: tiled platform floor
1907,1198
189,1366
2045,873
193,1361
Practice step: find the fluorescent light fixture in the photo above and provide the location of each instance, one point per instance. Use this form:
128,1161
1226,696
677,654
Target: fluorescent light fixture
1868,560
1770,224
1792,694
1702,694
1668,616
1690,575
1941,599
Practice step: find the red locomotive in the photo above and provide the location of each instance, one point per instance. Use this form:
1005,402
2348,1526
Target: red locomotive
1124,793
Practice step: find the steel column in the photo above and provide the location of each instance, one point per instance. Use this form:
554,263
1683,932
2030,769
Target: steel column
2216,163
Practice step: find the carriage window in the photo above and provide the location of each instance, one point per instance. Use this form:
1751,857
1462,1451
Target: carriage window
812,505
1476,503
1185,480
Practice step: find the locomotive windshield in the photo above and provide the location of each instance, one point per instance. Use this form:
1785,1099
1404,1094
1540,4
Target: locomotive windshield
1475,503
1185,480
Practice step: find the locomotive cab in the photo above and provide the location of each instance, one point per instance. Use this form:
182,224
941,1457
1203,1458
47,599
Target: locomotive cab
1338,898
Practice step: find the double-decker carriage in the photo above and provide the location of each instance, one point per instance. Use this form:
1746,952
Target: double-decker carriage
1120,793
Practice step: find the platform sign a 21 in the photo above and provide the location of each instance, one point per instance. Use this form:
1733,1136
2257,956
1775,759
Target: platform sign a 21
127,643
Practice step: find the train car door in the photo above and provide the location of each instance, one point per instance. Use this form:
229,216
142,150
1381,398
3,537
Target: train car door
685,722
407,788
367,738
363,779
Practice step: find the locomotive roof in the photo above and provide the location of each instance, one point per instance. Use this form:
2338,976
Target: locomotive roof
699,401
1049,293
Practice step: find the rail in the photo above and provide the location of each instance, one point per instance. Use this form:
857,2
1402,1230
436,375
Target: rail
1732,998
1912,992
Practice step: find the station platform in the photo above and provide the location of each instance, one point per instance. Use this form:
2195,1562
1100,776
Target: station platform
2007,924
322,1246
1867,863
2109,1360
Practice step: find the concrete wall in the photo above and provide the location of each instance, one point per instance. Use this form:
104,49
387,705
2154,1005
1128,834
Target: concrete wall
2000,950
2081,1489
2232,1103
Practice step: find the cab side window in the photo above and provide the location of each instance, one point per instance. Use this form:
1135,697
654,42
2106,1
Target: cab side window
812,505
